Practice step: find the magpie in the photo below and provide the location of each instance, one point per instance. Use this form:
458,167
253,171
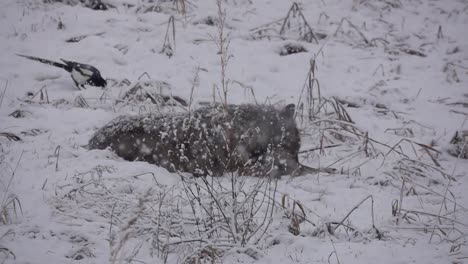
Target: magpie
80,73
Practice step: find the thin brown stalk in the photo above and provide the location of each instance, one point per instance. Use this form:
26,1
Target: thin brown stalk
356,207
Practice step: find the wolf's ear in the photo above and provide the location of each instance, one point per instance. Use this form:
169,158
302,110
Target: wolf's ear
288,111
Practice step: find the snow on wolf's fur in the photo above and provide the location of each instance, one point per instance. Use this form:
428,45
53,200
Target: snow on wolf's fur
248,139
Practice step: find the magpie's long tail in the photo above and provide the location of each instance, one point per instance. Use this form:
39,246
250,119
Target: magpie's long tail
49,62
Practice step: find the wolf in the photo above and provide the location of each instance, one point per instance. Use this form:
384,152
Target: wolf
256,140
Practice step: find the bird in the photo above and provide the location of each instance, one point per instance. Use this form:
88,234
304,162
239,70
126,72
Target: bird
80,73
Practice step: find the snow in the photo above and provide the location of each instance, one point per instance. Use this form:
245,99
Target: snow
90,206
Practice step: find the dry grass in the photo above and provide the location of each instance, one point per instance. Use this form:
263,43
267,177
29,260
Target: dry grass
235,214
197,219
10,136
293,26
169,44
339,29
414,167
302,26
10,208
7,253
2,95
222,41
10,205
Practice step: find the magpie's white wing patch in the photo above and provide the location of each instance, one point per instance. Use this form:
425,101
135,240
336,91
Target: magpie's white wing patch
80,77
86,72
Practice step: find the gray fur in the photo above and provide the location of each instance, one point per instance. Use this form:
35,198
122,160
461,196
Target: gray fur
247,139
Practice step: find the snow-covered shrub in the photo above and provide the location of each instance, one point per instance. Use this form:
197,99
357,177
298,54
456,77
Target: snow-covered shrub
459,145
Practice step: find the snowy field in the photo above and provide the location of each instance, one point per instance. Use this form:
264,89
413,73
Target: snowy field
380,87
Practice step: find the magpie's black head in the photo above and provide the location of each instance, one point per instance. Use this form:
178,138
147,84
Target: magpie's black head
97,80
101,82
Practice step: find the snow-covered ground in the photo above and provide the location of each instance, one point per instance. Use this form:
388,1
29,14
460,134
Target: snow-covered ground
399,68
